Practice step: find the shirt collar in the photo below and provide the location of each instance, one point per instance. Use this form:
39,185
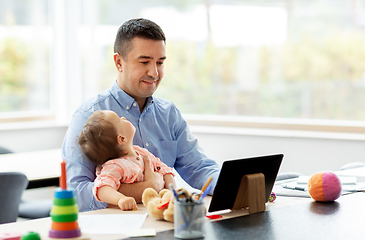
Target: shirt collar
124,99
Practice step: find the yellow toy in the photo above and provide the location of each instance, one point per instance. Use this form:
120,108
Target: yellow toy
160,206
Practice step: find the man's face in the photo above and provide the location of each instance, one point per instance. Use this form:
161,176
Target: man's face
142,71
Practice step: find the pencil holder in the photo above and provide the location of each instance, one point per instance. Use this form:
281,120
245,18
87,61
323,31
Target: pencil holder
189,219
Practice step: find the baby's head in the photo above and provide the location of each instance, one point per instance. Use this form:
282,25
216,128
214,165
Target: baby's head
103,136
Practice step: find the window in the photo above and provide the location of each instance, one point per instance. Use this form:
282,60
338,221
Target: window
245,59
25,43
282,59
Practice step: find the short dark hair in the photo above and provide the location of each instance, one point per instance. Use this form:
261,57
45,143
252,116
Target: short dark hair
138,27
98,139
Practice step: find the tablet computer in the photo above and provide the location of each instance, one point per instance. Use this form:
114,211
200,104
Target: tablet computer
232,171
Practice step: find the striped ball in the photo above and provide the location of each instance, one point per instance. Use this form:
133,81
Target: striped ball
324,186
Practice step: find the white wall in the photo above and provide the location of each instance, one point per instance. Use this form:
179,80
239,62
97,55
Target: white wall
304,152
32,138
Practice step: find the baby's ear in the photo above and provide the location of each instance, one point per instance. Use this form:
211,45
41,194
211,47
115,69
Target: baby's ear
121,140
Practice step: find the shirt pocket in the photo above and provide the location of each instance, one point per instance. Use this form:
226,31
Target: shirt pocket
168,150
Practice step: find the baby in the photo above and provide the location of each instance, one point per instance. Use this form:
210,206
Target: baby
107,140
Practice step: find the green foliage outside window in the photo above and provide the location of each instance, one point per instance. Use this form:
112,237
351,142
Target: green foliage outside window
13,91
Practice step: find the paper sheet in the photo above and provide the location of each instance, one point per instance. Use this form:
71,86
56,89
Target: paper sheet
110,223
344,180
145,232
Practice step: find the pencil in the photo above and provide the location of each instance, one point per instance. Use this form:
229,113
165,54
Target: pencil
205,186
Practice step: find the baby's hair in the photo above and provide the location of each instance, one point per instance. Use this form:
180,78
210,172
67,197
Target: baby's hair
98,139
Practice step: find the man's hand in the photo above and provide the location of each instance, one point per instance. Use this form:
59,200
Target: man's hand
153,179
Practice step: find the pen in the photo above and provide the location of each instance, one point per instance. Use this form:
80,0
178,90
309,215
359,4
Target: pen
295,188
353,190
173,191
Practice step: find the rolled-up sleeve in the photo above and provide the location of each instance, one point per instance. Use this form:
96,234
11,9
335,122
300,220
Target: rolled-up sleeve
110,175
191,161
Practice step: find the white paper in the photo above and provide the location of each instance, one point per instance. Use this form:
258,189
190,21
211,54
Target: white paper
110,223
144,232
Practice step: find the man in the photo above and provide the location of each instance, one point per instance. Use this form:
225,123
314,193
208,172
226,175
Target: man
139,55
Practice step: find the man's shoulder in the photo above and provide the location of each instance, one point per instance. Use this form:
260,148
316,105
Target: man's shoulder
163,102
166,107
98,102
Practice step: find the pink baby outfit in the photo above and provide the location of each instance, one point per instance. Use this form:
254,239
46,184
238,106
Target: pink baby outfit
127,170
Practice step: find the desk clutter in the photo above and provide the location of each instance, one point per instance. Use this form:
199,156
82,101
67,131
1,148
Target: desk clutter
185,209
159,205
324,186
64,215
19,236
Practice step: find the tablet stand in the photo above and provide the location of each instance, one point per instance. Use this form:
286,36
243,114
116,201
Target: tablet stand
251,193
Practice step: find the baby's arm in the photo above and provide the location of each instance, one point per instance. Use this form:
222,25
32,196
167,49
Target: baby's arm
168,178
111,196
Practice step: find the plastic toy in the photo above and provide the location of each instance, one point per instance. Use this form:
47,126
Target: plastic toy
64,212
160,206
10,236
272,197
324,186
31,236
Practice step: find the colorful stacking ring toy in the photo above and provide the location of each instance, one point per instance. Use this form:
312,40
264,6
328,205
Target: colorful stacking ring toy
64,212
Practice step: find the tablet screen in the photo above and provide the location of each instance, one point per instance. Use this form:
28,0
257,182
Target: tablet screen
232,171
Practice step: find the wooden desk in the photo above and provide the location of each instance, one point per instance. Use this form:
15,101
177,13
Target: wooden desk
43,225
342,219
42,168
286,218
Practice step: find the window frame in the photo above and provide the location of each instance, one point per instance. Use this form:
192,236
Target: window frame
328,126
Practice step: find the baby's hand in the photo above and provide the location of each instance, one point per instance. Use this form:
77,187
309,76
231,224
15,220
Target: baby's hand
127,203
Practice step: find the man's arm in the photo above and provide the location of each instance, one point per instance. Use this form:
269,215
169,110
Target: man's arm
80,171
191,162
151,180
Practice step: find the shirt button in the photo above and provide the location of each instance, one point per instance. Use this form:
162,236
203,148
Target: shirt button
134,104
147,144
137,158
158,168
127,108
143,172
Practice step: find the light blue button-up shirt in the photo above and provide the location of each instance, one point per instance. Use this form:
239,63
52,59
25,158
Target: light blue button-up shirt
160,128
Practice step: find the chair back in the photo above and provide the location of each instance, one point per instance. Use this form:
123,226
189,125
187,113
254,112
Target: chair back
12,185
4,150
